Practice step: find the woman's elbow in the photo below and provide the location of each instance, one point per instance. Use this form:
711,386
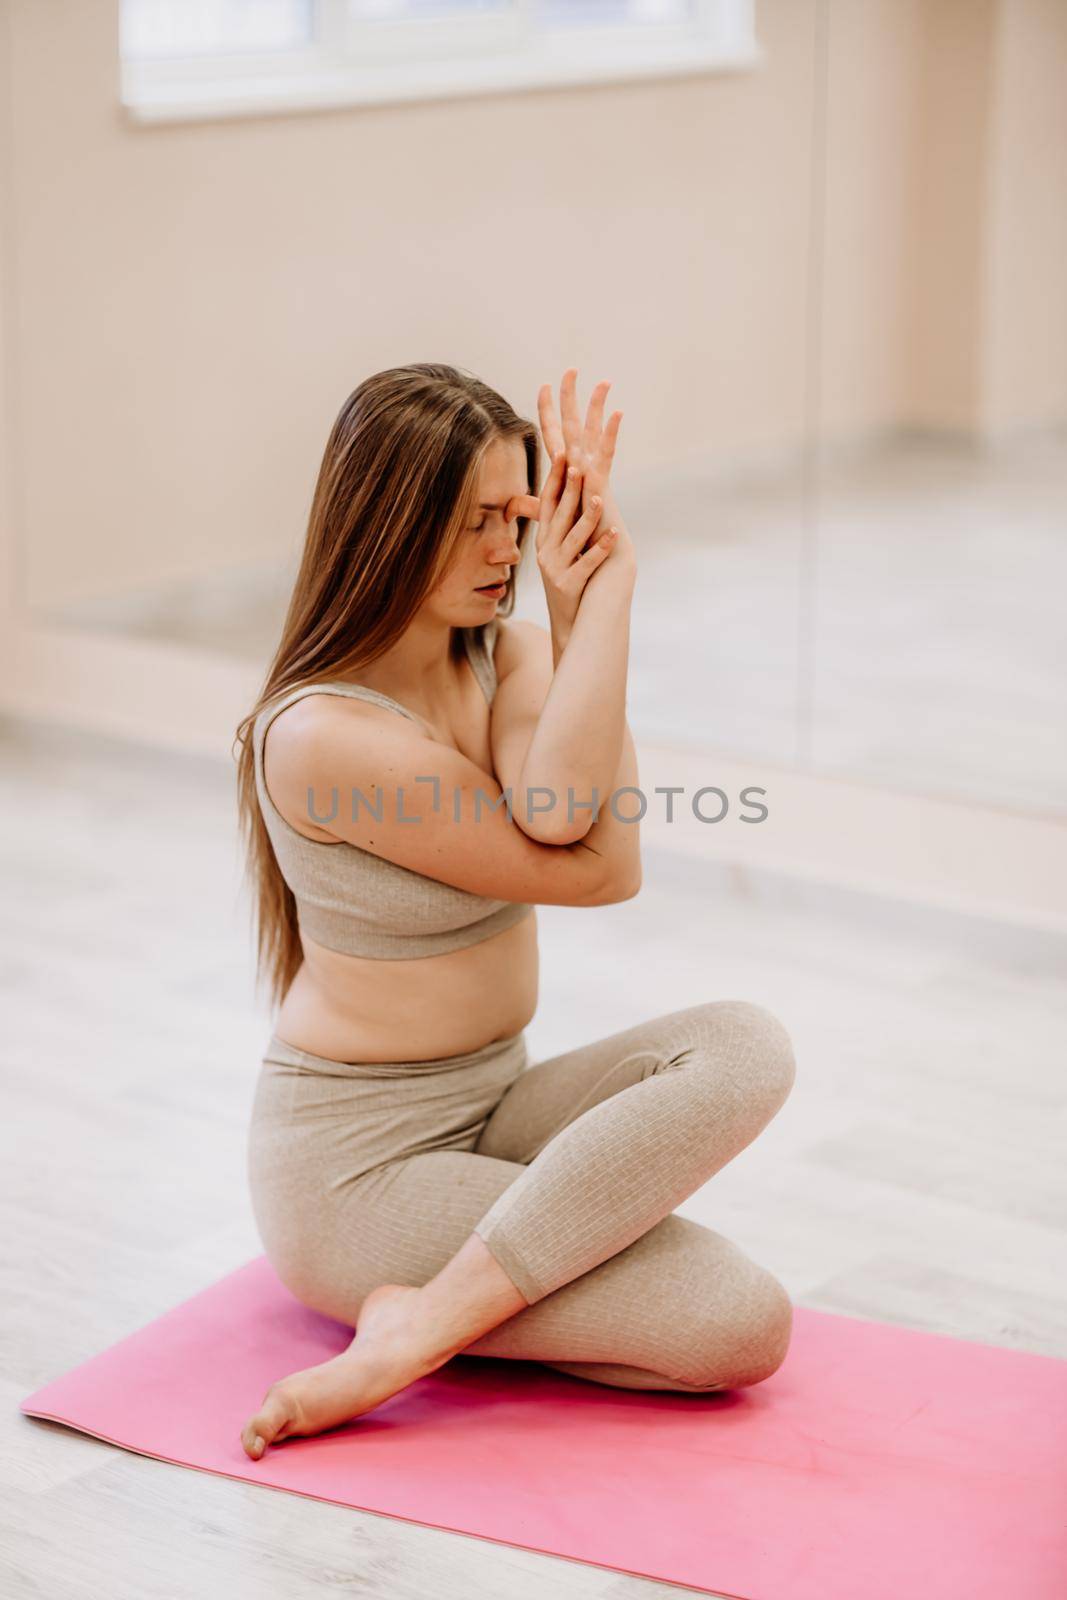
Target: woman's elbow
546,828
619,886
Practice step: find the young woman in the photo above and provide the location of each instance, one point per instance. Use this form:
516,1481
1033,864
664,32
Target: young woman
418,774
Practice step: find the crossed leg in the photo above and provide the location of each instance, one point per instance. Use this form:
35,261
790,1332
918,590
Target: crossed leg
571,1185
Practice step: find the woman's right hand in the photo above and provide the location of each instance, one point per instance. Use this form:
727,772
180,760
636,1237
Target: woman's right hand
562,534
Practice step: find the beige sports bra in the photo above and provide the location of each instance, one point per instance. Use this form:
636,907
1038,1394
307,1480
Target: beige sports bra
355,902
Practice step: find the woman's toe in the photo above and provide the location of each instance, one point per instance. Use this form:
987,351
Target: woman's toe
268,1425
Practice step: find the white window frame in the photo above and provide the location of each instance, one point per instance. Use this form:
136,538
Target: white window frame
364,63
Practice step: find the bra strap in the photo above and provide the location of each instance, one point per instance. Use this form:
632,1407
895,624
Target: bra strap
479,645
363,691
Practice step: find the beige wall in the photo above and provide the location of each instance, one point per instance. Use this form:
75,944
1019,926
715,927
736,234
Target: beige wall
988,284
10,547
1024,332
869,163
945,230
188,305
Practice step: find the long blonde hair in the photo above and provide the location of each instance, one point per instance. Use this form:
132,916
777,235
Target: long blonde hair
397,484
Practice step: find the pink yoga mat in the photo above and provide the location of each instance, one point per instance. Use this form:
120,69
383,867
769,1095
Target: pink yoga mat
878,1462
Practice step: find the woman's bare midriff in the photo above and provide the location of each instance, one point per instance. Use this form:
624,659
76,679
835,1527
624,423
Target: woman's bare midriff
351,1008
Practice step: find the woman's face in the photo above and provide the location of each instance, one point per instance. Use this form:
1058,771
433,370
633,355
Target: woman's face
486,550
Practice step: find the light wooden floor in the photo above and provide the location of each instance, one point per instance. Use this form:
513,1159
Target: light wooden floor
915,1175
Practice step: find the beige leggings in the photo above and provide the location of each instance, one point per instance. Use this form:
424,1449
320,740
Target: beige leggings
568,1170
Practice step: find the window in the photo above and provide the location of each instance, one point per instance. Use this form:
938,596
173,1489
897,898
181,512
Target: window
162,29
206,58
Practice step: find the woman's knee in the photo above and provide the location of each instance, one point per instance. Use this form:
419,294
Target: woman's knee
729,1327
754,1344
758,1042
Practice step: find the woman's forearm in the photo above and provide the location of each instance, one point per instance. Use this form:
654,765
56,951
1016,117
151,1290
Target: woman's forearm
619,842
577,744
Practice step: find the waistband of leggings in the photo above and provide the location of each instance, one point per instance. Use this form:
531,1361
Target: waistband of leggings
281,1053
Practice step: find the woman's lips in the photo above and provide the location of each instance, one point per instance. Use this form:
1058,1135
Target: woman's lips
493,588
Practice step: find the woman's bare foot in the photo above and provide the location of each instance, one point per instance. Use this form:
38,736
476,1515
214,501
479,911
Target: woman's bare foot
386,1355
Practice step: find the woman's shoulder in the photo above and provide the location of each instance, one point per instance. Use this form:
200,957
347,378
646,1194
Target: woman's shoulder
307,736
301,741
302,733
516,640
318,705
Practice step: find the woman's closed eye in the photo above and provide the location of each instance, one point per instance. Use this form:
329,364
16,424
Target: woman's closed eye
500,511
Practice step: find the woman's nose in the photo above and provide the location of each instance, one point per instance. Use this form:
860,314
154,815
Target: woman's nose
506,546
